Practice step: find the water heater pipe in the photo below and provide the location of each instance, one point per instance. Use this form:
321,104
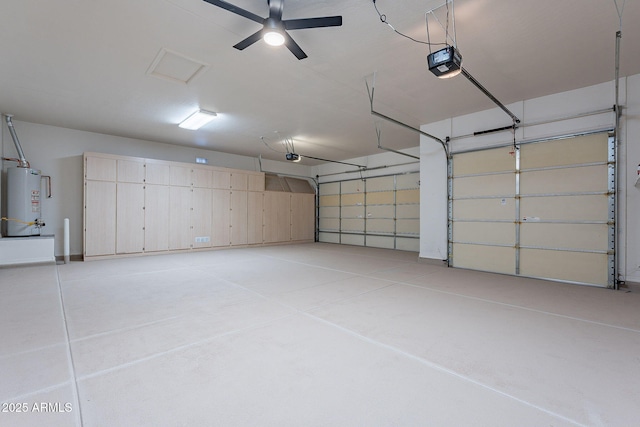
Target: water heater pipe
22,163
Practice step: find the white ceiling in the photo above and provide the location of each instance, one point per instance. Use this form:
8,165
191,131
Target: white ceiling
83,64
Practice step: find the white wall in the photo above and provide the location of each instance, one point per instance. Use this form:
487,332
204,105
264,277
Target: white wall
384,163
58,152
433,195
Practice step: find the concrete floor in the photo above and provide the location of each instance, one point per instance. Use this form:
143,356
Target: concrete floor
310,335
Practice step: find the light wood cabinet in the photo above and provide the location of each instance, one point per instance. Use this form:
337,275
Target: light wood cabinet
239,181
179,218
100,169
157,173
201,217
100,218
239,218
255,182
156,218
303,218
221,180
277,217
202,178
221,218
129,218
135,205
130,171
255,209
180,176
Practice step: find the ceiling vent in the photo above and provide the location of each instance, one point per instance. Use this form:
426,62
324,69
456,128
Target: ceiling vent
175,67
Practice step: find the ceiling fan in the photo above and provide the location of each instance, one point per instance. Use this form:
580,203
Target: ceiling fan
274,27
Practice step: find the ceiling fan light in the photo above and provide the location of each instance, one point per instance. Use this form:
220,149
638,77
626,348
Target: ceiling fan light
273,38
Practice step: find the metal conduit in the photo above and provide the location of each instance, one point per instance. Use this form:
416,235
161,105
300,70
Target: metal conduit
22,161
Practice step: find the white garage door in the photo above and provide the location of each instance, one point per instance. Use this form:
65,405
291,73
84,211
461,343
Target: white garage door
544,210
378,212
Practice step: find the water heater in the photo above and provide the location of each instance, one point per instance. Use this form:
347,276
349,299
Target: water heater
23,202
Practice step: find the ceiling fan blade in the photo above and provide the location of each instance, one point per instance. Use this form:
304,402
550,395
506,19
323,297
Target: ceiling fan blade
293,47
275,9
249,40
299,24
237,10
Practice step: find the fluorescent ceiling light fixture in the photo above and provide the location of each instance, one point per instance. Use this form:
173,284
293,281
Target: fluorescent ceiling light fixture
197,120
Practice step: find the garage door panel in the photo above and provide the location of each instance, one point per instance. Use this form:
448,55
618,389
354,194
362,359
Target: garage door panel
408,211
490,209
382,211
329,188
494,160
352,239
330,200
572,151
330,212
361,209
329,237
384,183
592,237
380,242
408,181
380,225
407,196
486,185
501,233
566,208
570,266
380,198
352,199
557,226
356,225
353,212
329,224
484,258
355,186
571,180
408,226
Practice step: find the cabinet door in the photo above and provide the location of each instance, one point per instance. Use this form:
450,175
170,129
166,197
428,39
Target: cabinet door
303,216
201,215
130,171
180,176
100,218
100,169
202,178
179,217
255,205
277,217
238,217
156,222
221,180
157,173
256,182
130,218
239,181
220,221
